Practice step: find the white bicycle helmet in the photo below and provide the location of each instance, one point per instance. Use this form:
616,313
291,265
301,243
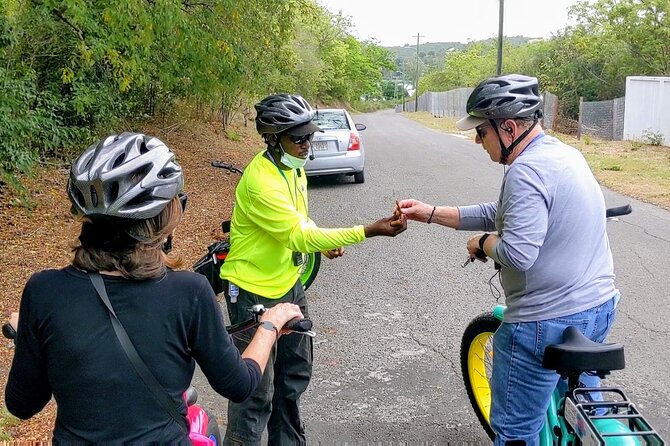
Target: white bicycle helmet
129,176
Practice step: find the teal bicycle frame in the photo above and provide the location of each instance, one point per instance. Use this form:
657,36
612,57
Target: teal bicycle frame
556,430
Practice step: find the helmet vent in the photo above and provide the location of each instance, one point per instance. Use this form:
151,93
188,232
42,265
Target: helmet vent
78,197
143,148
137,176
112,192
119,159
140,199
94,197
168,172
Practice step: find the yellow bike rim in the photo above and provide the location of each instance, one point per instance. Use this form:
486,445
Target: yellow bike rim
480,361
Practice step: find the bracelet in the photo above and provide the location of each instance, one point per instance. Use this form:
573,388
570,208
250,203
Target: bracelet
482,239
269,326
431,215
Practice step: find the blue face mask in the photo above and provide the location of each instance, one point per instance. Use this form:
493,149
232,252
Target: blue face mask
291,161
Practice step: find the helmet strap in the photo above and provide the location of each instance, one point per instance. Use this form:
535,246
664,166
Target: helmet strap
505,152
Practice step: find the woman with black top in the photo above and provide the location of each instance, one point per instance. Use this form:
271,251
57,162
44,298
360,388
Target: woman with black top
127,190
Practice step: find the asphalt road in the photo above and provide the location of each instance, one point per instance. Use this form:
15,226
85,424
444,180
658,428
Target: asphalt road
391,312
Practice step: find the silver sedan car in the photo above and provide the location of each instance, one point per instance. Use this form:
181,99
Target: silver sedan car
339,149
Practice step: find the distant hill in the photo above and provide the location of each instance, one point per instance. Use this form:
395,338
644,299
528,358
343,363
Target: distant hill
431,54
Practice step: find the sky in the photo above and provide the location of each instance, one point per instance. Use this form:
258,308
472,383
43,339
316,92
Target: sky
394,23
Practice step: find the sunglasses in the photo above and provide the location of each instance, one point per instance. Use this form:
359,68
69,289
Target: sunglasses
481,130
183,198
300,139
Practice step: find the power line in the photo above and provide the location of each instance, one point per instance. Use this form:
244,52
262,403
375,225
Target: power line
501,14
416,78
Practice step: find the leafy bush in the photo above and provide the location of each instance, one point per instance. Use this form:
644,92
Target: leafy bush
653,138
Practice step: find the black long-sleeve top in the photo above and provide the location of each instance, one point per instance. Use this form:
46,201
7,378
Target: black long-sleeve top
66,347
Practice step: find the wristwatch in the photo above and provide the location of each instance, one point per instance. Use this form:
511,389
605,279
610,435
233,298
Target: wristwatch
269,326
482,239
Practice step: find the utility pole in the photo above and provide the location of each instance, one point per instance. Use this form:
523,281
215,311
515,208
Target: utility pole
501,14
416,78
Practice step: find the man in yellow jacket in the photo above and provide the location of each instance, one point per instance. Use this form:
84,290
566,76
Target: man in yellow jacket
270,233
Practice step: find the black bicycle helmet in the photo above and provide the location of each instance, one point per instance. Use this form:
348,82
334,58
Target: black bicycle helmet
130,176
503,97
279,112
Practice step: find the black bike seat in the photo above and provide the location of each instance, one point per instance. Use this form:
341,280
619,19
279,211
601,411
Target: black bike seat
579,354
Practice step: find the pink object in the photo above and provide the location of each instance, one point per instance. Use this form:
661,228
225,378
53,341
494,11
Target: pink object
198,420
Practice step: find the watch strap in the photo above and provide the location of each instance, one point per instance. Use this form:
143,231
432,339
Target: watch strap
269,326
482,239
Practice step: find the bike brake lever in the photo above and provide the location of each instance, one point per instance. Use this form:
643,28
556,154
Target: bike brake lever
301,326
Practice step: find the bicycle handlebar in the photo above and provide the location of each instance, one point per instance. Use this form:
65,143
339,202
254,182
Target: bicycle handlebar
8,331
226,166
300,325
618,211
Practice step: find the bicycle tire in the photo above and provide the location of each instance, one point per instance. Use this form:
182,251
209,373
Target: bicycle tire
311,269
476,361
213,432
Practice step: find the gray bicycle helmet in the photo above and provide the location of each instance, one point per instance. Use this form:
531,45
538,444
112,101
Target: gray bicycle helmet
503,97
130,176
280,112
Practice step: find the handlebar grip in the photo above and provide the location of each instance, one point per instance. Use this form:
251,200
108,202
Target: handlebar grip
621,210
8,331
299,324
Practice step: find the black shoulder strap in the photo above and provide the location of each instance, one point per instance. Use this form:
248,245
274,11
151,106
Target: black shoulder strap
140,367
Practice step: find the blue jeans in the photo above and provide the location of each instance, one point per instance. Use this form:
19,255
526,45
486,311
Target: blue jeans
521,388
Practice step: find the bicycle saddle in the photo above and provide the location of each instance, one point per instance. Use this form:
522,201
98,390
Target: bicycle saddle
579,354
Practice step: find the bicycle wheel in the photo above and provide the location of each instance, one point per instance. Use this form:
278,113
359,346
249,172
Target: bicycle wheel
213,432
311,269
476,365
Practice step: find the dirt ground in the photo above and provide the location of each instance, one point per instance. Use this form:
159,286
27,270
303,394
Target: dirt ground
40,239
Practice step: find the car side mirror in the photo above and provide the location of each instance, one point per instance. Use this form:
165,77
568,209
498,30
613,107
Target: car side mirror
361,127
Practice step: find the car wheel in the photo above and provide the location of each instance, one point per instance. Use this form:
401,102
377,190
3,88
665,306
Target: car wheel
359,177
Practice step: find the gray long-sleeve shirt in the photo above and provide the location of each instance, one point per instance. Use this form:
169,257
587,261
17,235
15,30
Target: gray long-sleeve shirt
553,245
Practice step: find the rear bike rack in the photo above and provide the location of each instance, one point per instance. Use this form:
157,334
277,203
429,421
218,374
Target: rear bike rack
615,417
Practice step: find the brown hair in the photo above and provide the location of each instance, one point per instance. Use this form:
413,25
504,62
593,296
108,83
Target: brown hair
131,247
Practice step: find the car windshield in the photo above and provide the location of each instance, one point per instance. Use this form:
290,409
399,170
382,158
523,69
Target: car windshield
331,120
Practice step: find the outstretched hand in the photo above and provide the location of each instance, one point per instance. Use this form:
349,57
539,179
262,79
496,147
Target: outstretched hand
415,210
388,226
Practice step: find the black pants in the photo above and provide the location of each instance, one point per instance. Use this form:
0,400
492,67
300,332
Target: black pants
276,401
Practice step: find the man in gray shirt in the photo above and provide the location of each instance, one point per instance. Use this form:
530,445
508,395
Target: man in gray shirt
547,236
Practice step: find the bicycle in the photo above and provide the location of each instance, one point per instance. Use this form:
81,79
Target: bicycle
580,416
209,265
203,427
